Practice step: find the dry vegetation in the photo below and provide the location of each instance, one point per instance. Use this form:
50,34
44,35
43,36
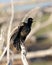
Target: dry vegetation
31,45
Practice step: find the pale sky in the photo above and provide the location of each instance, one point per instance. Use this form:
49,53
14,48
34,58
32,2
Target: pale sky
6,1
27,6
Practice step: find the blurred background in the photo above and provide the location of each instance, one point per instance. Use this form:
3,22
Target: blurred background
39,41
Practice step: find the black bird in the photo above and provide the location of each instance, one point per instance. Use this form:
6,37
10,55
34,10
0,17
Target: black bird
21,34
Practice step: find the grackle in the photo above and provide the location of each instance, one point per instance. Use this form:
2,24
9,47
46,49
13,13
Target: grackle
21,33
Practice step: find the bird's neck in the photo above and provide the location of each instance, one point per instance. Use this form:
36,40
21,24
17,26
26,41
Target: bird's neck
29,24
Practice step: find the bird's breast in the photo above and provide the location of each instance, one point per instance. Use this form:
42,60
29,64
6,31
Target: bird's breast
25,32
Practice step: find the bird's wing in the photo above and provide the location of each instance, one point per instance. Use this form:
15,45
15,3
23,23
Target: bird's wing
16,31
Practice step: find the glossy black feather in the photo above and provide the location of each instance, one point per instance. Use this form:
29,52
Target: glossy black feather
21,34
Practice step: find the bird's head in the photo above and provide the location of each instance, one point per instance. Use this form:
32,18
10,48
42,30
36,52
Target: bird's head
30,20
